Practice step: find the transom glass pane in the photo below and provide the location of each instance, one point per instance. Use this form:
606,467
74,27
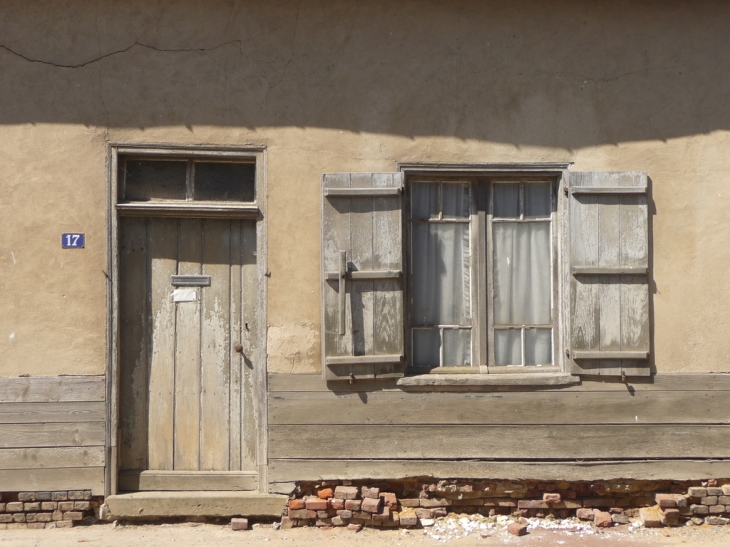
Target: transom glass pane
457,347
219,181
426,348
538,346
455,200
146,180
425,200
506,200
507,347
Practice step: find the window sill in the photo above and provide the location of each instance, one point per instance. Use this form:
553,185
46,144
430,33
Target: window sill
533,379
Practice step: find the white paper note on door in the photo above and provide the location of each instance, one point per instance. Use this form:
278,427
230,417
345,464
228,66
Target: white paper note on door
184,295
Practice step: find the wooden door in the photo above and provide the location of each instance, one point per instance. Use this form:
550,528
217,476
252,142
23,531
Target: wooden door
188,298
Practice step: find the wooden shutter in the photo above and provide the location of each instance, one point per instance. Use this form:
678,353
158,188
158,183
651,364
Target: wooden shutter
362,275
609,266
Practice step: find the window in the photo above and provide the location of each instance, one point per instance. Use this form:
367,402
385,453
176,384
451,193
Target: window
451,263
201,180
485,269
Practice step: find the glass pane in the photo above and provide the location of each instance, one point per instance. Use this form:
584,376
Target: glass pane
538,346
457,347
507,350
537,200
456,200
522,287
506,200
146,180
426,347
440,260
424,200
216,181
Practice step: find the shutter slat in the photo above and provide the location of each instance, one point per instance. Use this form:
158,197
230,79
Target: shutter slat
361,214
608,230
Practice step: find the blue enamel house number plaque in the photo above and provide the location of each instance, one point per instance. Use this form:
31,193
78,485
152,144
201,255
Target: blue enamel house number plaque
73,241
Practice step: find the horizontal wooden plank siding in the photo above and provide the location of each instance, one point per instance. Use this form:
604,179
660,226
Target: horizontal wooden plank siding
499,442
40,458
570,407
48,389
27,413
80,478
52,433
288,471
662,427
186,480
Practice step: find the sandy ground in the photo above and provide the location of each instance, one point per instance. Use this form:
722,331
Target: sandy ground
194,534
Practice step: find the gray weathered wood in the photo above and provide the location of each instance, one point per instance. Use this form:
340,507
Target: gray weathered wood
367,226
501,442
500,379
288,471
253,366
659,382
59,457
608,190
80,478
236,359
215,347
507,408
45,389
364,359
186,480
187,353
607,354
134,351
191,210
162,245
608,247
365,192
79,411
53,434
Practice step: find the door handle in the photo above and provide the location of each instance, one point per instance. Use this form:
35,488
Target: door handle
341,301
238,347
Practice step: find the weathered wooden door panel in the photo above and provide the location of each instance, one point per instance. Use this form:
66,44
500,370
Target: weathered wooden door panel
186,394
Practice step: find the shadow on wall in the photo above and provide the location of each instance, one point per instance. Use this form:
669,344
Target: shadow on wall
564,73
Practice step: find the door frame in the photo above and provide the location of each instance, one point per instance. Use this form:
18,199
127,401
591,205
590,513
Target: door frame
255,212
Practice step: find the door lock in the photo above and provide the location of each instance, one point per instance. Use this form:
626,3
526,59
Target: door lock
238,347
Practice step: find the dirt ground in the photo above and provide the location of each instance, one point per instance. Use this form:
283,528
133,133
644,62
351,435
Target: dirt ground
194,534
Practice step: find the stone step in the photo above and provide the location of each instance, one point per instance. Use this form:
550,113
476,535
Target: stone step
194,503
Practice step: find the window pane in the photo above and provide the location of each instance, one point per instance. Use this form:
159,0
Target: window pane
215,181
146,180
506,200
522,287
537,200
507,350
538,346
424,201
457,347
441,274
426,347
456,200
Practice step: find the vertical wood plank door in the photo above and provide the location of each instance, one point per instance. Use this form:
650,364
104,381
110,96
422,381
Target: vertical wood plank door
186,400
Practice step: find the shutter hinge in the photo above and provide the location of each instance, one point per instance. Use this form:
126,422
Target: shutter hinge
565,190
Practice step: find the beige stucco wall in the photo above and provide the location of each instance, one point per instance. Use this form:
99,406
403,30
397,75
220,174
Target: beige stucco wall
345,85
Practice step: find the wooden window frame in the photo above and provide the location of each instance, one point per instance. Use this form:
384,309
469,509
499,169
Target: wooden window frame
481,259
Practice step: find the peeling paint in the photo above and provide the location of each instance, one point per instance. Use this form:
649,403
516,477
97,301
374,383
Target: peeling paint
293,349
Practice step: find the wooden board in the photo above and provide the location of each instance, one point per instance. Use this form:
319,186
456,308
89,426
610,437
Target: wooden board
499,442
186,481
59,434
658,382
508,408
45,389
80,478
78,411
253,362
40,458
290,471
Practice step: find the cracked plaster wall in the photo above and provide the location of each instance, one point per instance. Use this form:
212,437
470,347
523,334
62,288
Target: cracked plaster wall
339,85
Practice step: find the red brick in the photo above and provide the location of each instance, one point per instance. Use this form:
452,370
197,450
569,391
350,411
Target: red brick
717,509
353,505
568,494
599,502
389,500
18,517
43,517
584,514
408,518
315,504
337,504
73,515
32,506
36,525
346,492
59,496
517,529
82,505
239,524
325,493
296,514
344,514
49,506
434,502
371,505
410,502
5,518
439,512
323,515
354,527
368,492
76,495
422,513
286,523
551,498
296,504
64,524
602,519
66,506
26,496
665,501
14,506
382,516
